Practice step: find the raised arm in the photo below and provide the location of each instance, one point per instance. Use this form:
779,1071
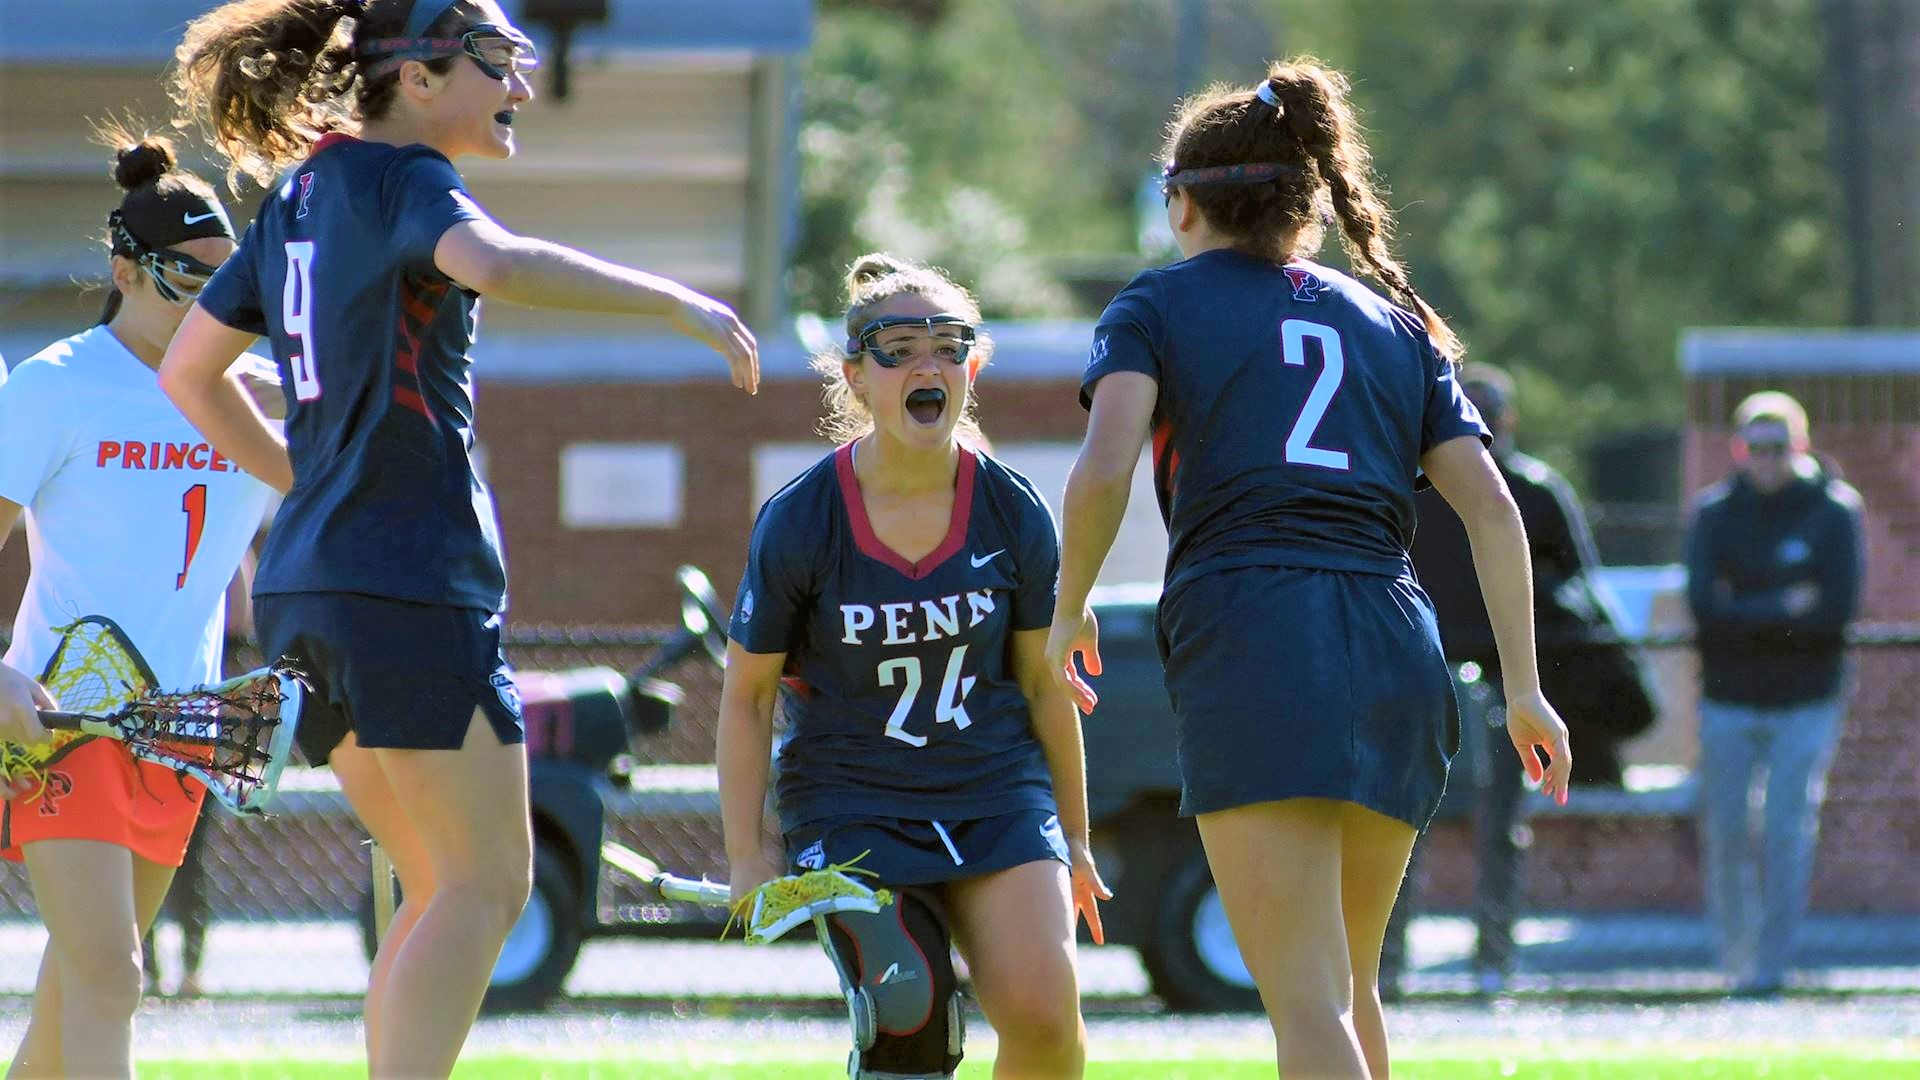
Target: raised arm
1096,501
1464,474
538,273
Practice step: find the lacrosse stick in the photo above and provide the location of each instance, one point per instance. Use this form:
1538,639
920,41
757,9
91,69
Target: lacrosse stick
234,736
383,892
774,909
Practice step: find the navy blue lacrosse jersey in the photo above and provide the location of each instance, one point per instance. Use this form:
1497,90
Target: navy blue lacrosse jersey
337,269
901,697
1294,407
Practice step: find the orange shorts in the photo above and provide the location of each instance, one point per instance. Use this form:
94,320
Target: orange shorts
98,791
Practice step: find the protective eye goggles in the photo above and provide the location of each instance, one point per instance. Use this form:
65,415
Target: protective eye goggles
498,51
1258,172
177,276
953,343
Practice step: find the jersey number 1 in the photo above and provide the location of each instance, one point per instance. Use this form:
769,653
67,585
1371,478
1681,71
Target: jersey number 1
1333,367
194,505
296,318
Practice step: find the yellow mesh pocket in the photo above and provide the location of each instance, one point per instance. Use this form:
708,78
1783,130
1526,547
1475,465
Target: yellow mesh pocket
783,903
94,669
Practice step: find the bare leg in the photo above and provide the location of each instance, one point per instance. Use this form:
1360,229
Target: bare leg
40,1052
367,789
1277,865
1374,850
1016,929
469,809
86,893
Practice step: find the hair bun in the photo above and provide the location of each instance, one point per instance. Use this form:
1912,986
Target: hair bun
142,162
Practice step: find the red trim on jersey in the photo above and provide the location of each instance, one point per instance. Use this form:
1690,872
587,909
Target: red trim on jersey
869,543
1166,460
330,140
414,307
412,400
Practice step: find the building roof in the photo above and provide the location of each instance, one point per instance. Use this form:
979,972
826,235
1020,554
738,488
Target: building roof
1794,351
120,31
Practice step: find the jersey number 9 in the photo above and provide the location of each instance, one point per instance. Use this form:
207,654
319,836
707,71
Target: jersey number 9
296,318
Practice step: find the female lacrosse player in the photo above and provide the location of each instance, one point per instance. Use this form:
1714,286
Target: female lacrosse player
130,516
1291,412
384,573
903,586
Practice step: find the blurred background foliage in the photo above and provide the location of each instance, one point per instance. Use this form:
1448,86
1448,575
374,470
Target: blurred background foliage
1576,182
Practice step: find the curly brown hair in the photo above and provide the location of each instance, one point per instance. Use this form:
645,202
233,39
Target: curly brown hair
1314,130
265,79
873,280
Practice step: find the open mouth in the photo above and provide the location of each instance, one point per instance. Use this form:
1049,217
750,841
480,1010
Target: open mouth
926,405
504,116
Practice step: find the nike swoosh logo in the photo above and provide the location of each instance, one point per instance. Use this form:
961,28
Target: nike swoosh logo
982,560
195,219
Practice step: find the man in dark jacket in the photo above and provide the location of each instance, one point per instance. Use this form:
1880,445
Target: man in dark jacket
1486,778
1774,557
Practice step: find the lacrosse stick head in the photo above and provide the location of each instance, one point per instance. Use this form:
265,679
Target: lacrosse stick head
94,668
788,902
234,736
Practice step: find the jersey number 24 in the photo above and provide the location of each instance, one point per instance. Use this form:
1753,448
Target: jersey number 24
949,709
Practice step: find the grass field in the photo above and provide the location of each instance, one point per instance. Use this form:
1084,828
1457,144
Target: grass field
1893,1061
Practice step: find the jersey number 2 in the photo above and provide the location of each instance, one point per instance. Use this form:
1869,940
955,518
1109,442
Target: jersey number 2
1333,367
296,318
194,504
950,709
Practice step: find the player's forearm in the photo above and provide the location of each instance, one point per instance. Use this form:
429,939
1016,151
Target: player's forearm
743,754
1499,542
1057,727
222,410
1095,503
538,273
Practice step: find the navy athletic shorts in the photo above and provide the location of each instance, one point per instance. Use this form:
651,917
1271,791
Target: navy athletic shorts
399,675
1299,683
905,852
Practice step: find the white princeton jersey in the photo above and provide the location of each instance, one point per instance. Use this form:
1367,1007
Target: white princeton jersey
130,513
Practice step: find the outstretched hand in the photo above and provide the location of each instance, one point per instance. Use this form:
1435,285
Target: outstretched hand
1088,889
1068,638
1534,727
714,323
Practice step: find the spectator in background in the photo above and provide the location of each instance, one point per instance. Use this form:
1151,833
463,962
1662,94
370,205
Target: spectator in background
1572,628
1774,557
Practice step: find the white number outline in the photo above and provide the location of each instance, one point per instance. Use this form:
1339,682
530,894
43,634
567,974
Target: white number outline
296,318
949,708
1300,449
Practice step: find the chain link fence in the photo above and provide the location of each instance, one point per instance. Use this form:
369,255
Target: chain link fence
1610,858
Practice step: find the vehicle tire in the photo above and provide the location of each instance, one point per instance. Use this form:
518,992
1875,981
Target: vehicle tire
543,944
1191,959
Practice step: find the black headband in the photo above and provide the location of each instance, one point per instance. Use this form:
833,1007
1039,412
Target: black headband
1259,172
151,220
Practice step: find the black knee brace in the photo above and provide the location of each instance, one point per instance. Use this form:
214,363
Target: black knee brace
896,969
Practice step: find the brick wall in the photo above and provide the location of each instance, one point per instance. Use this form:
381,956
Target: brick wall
557,574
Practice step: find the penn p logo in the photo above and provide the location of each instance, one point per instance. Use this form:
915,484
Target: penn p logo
1306,285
